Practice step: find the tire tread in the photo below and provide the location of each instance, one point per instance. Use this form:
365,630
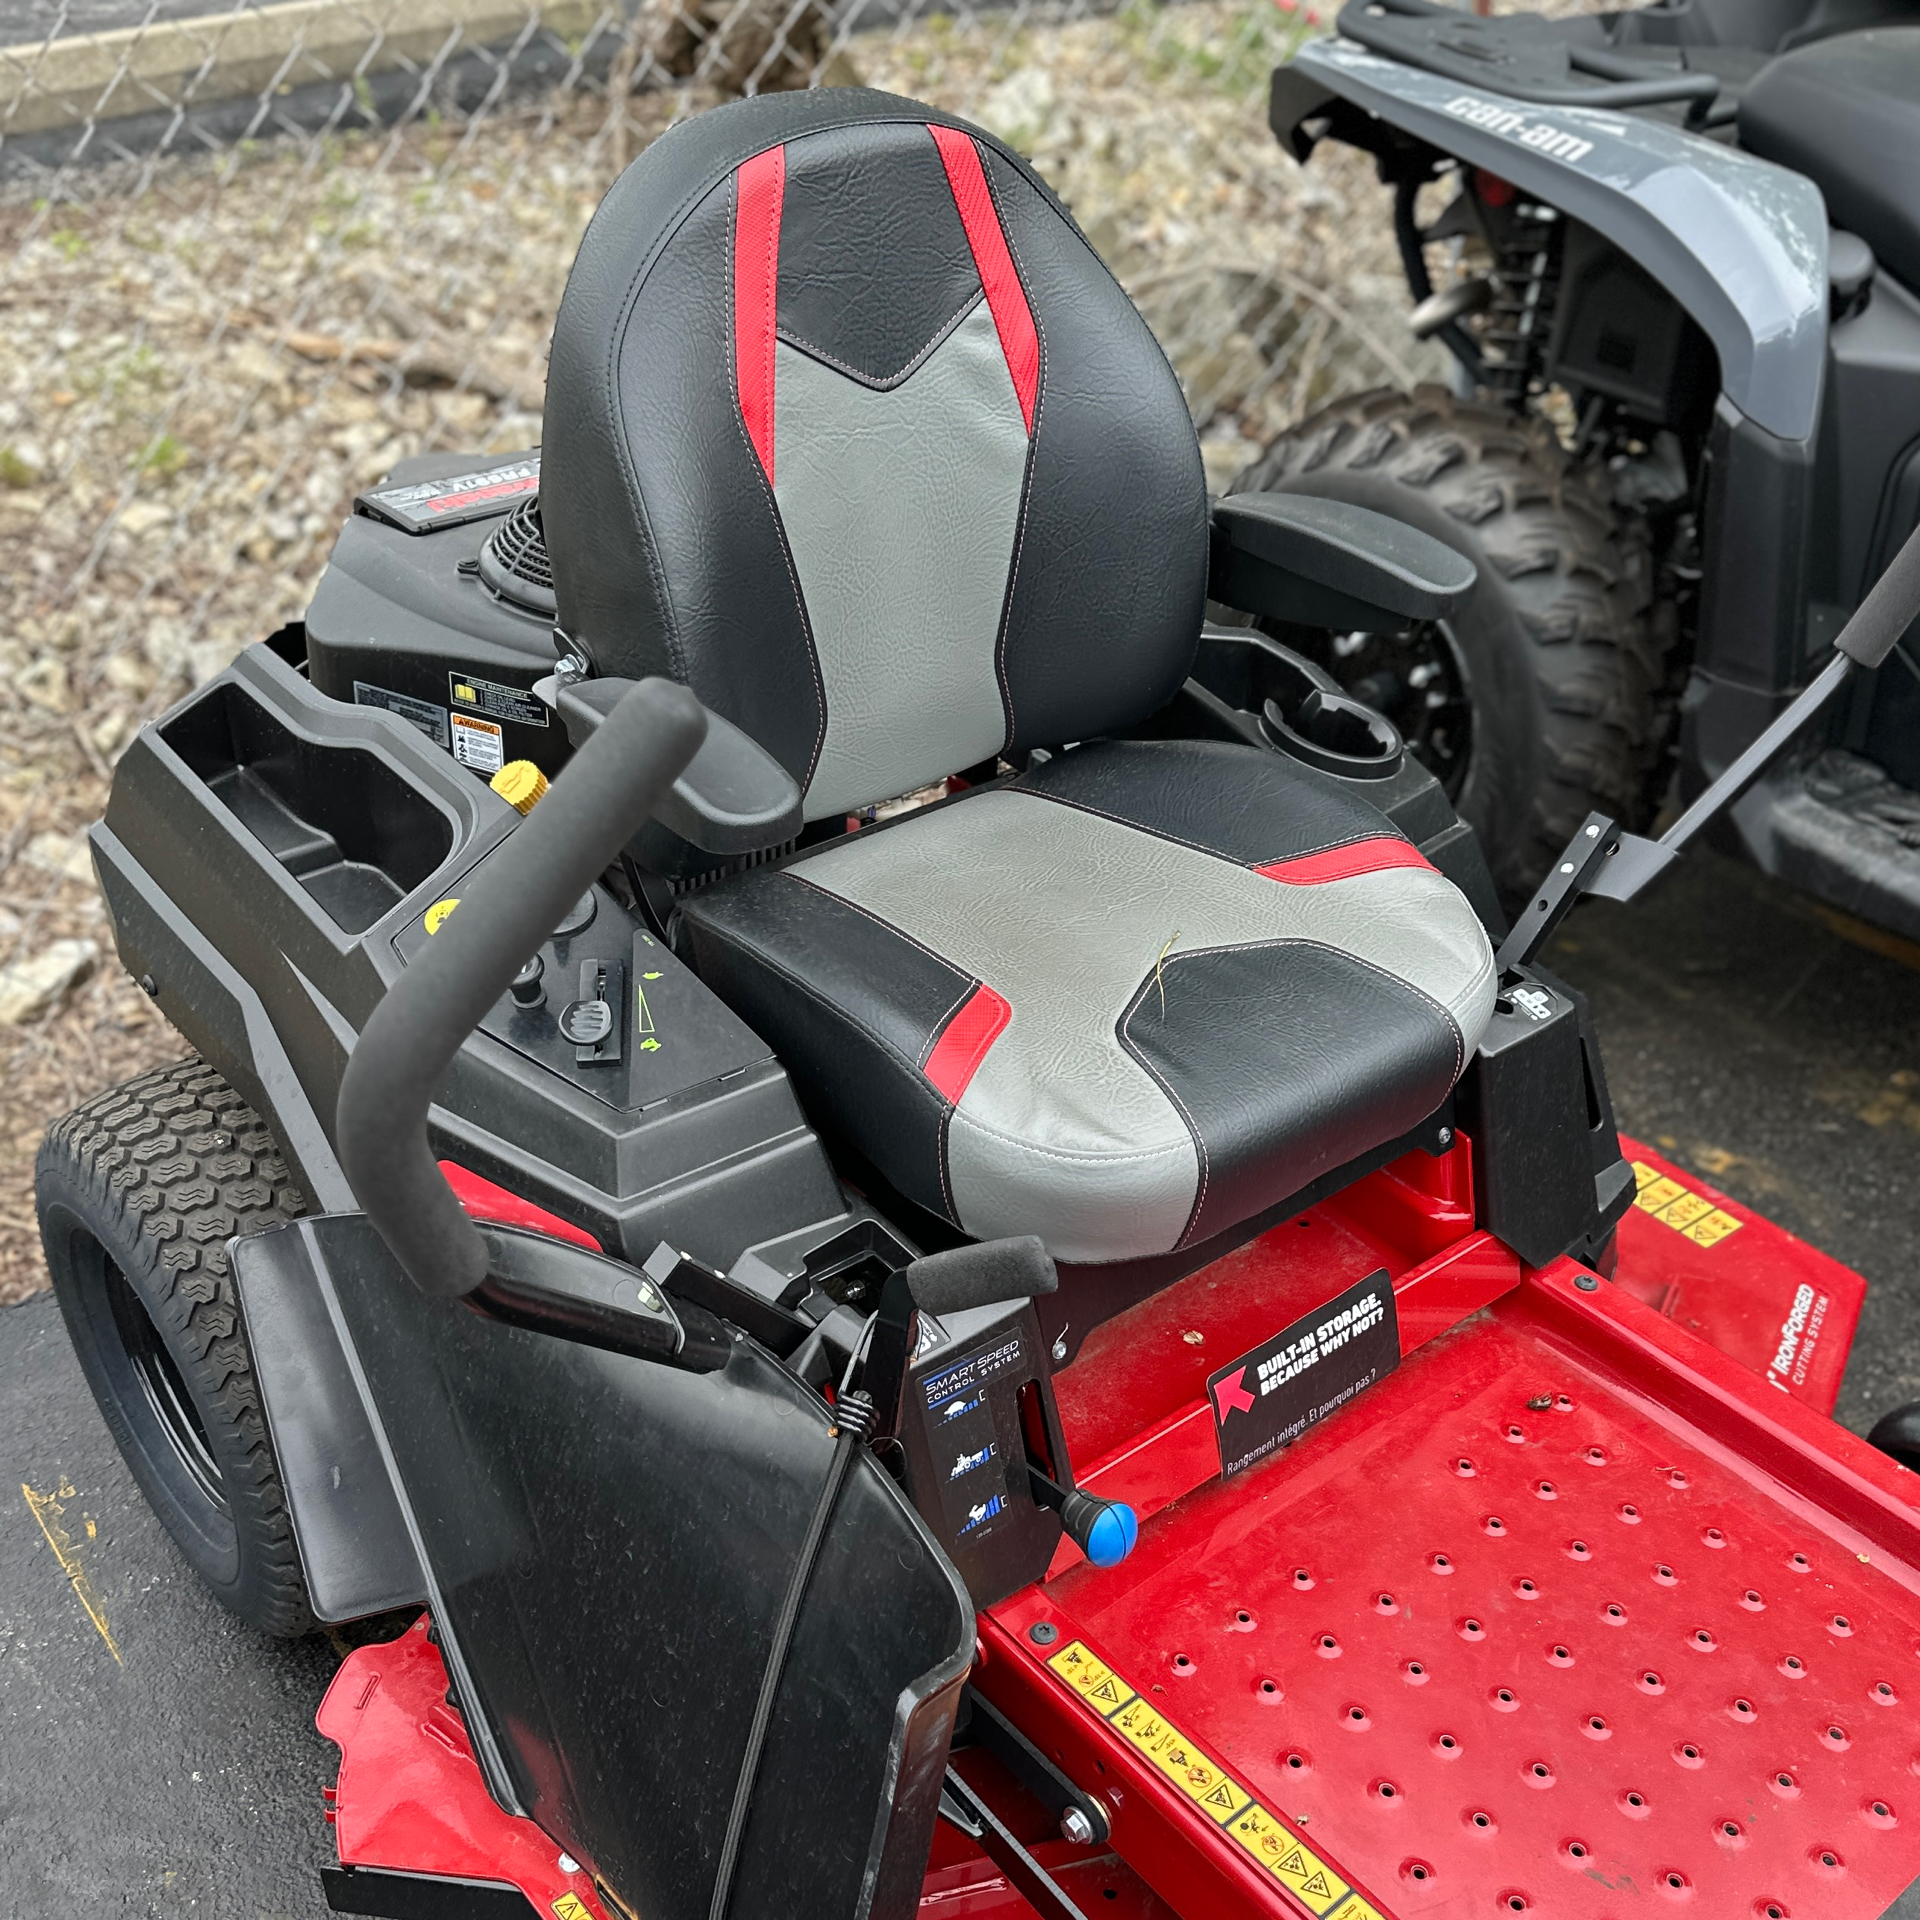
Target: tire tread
189,1165
1579,572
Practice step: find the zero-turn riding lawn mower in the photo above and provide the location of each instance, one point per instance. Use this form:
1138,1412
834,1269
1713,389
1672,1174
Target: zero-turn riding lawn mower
938,1232
1675,254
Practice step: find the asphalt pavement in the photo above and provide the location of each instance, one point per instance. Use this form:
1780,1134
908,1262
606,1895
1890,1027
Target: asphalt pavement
1774,1047
177,1772
156,1757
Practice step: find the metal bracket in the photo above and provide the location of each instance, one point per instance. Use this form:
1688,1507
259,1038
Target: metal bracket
1597,837
989,1727
963,1808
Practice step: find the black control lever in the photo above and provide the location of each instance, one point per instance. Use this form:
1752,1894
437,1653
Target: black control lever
610,786
977,1275
548,1286
1604,860
1106,1531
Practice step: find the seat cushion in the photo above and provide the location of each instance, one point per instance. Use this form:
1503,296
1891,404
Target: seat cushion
1124,1002
1846,113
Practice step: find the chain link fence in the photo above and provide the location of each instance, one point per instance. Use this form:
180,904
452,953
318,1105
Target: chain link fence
249,259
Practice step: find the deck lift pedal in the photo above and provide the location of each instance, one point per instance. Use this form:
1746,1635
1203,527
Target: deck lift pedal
810,1503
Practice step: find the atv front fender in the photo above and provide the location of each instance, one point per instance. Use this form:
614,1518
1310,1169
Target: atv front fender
1740,243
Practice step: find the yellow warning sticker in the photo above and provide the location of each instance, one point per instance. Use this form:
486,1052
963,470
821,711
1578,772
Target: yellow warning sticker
437,914
1688,1213
1090,1679
1655,1189
1274,1845
1685,1211
1180,1760
571,1907
1295,1865
1302,1870
1713,1229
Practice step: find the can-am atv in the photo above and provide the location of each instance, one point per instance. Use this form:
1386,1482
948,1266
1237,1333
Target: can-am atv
1675,254
1075,1344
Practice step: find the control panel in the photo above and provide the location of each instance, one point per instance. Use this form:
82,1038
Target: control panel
604,1004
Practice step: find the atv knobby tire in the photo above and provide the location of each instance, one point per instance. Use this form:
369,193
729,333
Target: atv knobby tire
139,1191
1562,659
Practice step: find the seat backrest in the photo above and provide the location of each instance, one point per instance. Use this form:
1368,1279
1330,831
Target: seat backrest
849,429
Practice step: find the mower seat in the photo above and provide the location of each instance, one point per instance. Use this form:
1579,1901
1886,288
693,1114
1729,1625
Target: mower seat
849,429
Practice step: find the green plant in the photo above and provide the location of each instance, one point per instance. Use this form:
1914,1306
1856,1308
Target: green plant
163,457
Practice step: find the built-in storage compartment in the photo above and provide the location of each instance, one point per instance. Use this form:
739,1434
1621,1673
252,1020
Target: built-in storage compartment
346,825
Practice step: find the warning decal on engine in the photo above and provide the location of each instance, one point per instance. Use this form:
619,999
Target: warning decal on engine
1678,1207
478,744
1208,1784
1268,1398
571,1907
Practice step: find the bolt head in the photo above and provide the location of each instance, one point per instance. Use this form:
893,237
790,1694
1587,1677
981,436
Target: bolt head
1445,1136
1043,1633
1060,1350
649,1296
1587,1282
1075,1826
149,986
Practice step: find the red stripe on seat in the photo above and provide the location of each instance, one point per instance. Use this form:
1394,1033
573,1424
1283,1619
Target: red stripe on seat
1343,863
759,189
964,1043
1006,298
485,1201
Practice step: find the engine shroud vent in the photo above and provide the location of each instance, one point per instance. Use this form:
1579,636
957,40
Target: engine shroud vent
514,562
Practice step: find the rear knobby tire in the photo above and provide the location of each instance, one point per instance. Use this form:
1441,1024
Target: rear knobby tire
139,1191
1563,661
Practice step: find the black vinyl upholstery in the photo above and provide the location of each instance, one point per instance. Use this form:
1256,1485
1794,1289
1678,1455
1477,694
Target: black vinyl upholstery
672,554
849,429
1125,1001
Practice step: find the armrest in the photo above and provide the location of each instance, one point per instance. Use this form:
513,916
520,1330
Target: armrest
1323,563
734,796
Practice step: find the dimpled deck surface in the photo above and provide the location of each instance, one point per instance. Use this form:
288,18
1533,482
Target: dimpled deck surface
1509,1638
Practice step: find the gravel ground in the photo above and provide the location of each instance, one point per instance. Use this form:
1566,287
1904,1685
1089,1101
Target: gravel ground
203,359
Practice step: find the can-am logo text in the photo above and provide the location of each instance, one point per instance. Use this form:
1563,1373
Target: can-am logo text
1555,142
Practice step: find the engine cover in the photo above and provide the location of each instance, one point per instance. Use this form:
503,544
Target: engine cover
408,615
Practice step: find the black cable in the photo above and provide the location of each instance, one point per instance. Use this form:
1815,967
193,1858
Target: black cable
776,1666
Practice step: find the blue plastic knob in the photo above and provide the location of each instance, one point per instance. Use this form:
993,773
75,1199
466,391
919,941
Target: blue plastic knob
1112,1536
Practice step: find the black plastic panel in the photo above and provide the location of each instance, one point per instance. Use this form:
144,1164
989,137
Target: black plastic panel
609,1542
353,1542
697,1140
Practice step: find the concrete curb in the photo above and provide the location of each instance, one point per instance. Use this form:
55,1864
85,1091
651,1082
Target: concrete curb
247,52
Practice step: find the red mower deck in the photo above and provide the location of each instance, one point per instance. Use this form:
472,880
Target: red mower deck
1574,1616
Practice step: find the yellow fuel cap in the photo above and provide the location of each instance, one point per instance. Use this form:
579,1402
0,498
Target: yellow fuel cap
519,783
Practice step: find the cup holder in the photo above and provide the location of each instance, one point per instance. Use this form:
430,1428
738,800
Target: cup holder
1308,717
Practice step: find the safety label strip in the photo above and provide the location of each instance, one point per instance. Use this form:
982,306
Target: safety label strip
1211,1788
1678,1207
